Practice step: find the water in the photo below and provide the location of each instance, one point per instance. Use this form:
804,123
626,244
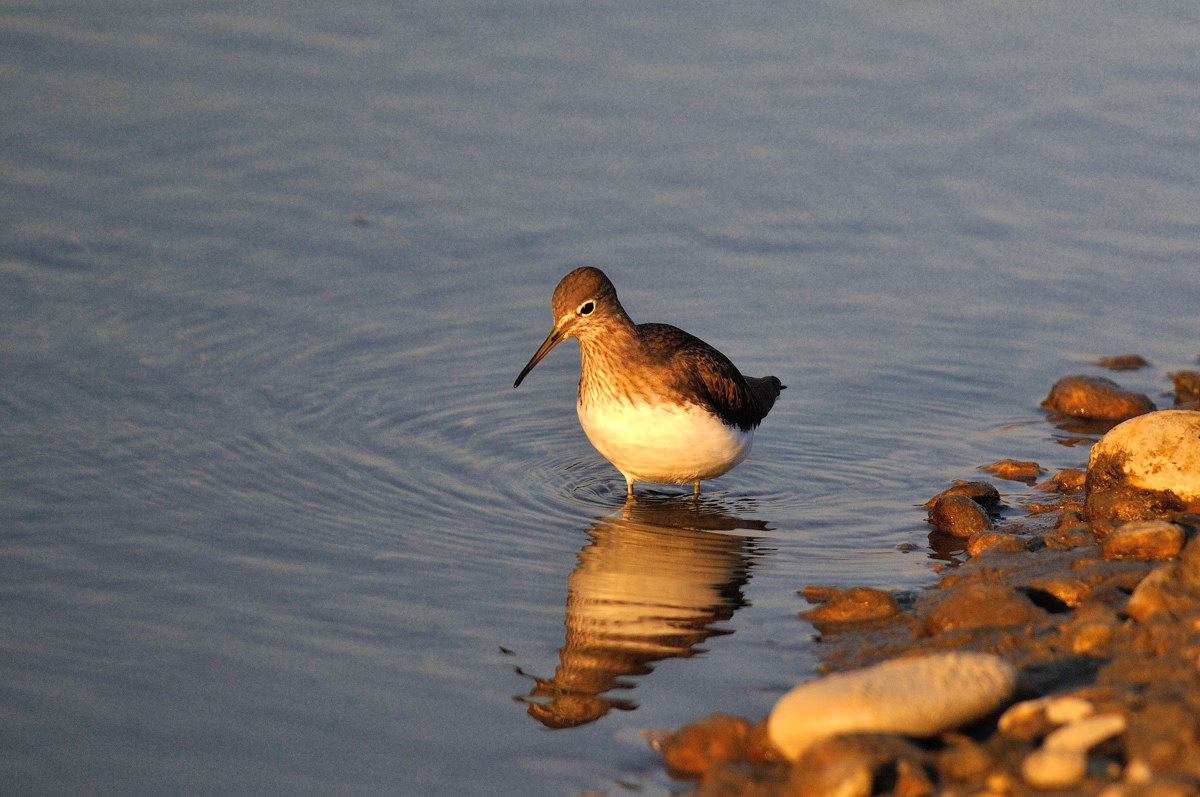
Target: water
272,519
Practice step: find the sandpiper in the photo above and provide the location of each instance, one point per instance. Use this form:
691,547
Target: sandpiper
661,405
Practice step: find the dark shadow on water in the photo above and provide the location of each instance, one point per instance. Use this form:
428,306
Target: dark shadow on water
649,584
1079,431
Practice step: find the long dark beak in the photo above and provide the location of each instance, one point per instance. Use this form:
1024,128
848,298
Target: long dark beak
555,337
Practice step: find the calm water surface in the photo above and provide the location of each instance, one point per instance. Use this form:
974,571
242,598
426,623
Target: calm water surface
273,520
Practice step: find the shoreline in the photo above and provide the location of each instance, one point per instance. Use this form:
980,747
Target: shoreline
1099,617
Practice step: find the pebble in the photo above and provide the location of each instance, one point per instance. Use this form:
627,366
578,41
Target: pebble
1172,588
1068,708
854,605
1155,593
1030,718
1091,631
1124,362
1061,761
1146,467
958,515
1023,719
1054,769
982,493
920,696
1086,732
1065,481
1095,398
717,737
980,604
1014,470
1076,584
1144,539
981,541
1187,386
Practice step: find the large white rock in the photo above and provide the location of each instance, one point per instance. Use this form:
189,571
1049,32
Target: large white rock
915,697
1146,466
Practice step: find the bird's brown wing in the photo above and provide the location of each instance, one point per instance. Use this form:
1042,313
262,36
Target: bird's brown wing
738,400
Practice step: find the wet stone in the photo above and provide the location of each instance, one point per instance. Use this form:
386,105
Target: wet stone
1014,470
1187,387
1124,362
958,515
1087,576
982,493
854,605
1144,539
920,696
1095,398
982,541
1092,629
694,748
1068,533
1065,481
1172,589
980,605
1189,563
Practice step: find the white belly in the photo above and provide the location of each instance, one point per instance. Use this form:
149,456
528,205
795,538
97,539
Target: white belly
651,443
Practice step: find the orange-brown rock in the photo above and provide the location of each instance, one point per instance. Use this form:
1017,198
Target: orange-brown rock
1065,481
1124,362
854,605
694,748
982,493
1144,539
980,604
958,515
1187,387
1014,470
985,540
1096,398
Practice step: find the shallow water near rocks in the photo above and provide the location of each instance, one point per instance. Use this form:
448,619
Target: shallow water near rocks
274,520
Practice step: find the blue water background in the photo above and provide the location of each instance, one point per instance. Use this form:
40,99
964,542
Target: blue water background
273,519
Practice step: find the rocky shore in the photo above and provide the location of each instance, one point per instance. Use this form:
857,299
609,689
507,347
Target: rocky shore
1061,657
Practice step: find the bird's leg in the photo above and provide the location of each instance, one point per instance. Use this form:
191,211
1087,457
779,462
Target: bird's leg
696,492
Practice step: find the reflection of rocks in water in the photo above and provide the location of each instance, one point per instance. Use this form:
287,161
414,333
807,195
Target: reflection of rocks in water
648,586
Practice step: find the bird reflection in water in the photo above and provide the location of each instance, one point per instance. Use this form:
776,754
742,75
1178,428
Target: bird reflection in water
649,585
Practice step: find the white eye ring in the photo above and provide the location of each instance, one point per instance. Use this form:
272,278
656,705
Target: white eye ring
586,308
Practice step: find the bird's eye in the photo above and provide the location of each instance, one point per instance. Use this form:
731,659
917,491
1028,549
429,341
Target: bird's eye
586,308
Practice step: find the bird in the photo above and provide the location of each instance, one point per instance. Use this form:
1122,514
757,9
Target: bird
658,403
